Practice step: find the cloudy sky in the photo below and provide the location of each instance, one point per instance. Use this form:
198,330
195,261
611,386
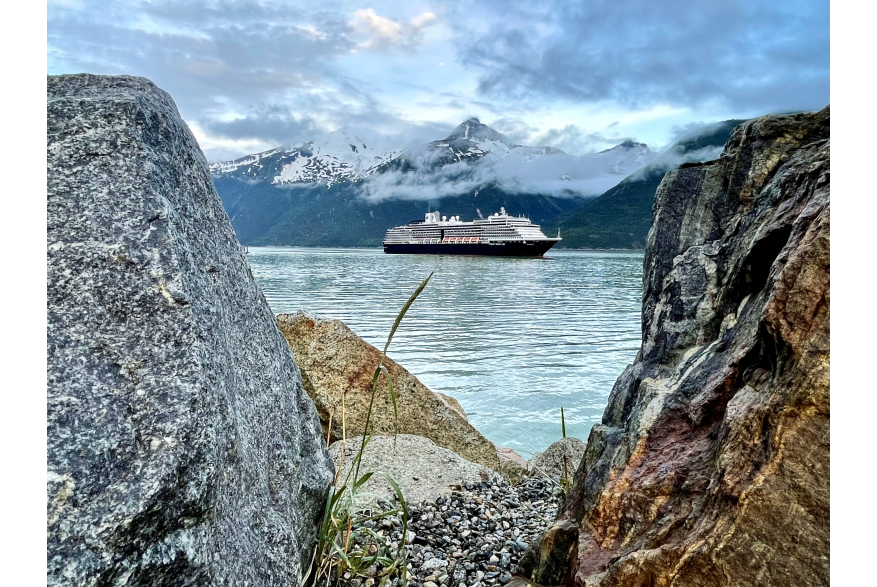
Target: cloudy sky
581,75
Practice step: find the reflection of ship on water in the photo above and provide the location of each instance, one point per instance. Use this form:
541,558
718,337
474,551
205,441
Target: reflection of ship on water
499,234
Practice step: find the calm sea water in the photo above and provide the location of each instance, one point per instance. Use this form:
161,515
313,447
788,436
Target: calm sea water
512,339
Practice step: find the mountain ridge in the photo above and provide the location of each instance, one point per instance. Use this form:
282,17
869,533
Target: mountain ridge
347,189
342,156
620,217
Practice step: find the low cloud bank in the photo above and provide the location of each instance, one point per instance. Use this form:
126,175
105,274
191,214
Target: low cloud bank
523,170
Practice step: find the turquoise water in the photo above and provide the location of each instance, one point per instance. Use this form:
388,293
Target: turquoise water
512,339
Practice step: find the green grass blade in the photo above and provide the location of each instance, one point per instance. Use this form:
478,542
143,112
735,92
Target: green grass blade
378,516
393,399
398,493
362,480
405,309
340,552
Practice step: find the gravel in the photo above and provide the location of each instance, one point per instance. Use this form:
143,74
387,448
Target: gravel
473,538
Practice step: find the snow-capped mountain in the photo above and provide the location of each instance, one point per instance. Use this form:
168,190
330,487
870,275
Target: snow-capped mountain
330,158
346,188
473,155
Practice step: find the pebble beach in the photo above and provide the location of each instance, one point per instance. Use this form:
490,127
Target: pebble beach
473,538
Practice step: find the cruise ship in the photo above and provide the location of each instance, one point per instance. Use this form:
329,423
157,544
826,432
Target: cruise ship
499,234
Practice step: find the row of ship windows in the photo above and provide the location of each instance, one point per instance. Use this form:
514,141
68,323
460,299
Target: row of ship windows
493,232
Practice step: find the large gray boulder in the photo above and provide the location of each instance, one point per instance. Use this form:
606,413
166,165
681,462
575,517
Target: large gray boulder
182,449
560,460
423,470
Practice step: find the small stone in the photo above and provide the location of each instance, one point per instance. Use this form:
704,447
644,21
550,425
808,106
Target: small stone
427,584
433,563
368,582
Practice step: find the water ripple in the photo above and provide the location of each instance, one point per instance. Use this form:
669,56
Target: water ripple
511,339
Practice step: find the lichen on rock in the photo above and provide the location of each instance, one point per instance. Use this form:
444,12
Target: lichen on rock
711,465
182,448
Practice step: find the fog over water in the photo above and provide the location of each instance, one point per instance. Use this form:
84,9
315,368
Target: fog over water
512,339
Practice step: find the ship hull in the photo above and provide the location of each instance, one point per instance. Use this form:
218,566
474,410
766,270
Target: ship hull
509,249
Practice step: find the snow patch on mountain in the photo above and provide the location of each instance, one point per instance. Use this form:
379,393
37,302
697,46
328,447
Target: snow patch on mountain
248,161
473,155
330,158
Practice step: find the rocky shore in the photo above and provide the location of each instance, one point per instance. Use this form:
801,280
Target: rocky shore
187,425
474,537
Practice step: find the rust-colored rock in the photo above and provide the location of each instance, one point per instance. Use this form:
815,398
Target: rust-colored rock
335,363
711,466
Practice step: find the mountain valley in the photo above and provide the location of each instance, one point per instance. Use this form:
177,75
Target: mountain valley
346,189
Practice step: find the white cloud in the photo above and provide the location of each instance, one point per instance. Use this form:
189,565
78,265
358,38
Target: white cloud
384,32
424,20
313,31
222,149
381,30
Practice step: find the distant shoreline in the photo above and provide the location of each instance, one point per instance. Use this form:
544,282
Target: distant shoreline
557,250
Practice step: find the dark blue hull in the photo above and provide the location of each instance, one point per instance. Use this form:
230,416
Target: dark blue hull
529,249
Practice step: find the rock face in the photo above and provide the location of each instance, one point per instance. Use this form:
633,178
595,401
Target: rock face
423,470
711,466
550,462
336,364
182,448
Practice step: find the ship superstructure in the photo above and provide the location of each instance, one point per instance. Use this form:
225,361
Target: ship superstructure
499,234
